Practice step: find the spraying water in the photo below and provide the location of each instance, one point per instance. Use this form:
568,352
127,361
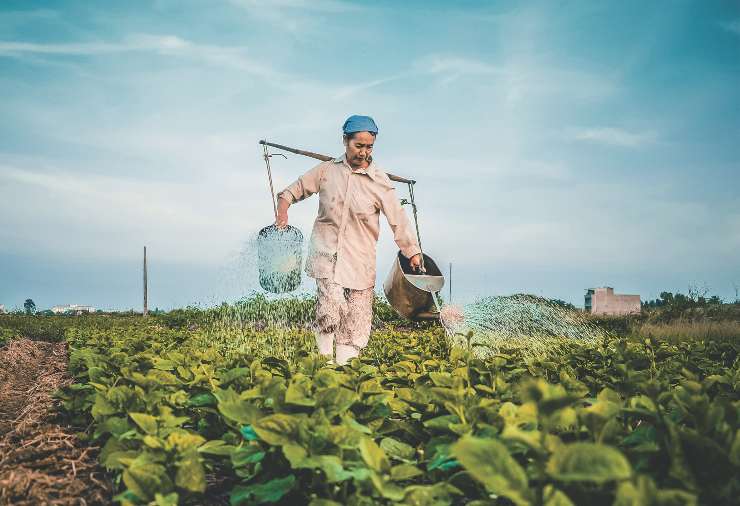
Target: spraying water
537,327
244,320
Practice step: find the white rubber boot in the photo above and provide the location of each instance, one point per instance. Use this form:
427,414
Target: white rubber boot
325,343
345,353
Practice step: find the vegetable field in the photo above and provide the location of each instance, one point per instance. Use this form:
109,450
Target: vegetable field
251,415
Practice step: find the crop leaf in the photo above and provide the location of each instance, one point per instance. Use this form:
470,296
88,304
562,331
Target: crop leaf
442,423
489,462
116,425
277,429
588,462
374,456
183,440
299,394
116,459
216,447
403,472
247,454
335,400
201,400
190,473
555,497
387,488
146,422
735,450
236,409
102,407
146,479
166,500
248,433
397,449
437,494
233,374
644,492
261,493
530,438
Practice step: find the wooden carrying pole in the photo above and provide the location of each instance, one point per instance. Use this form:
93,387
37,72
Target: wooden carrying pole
325,158
146,302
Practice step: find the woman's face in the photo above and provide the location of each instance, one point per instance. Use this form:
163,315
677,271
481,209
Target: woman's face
359,149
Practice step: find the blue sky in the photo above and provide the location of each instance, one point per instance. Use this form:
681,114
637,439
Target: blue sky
557,145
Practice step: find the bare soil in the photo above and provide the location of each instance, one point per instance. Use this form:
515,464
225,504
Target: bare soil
41,461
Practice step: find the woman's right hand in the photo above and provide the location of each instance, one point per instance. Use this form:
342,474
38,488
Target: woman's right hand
282,213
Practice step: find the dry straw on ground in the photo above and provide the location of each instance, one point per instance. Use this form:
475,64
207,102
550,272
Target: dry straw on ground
41,462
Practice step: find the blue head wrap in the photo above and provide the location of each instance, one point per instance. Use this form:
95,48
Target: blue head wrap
359,124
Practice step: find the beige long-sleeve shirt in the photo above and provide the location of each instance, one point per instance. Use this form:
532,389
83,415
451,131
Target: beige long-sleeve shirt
345,233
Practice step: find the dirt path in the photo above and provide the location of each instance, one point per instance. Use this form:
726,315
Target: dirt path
41,462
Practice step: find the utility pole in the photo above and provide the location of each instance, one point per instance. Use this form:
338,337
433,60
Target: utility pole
450,283
146,303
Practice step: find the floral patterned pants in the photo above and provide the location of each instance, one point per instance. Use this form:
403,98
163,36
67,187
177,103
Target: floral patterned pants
343,316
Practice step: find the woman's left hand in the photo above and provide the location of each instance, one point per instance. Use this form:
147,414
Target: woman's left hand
415,261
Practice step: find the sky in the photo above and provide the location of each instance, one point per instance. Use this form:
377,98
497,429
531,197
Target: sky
557,145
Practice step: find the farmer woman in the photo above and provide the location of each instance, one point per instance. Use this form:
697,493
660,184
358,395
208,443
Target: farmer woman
353,191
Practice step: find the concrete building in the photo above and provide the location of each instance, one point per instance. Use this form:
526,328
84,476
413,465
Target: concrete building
603,300
72,308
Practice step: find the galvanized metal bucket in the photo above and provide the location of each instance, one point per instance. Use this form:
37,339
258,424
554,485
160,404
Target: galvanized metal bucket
411,293
280,255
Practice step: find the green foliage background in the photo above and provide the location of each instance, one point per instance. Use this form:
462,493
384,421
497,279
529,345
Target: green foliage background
230,405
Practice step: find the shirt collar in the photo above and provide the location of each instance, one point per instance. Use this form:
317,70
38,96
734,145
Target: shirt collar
371,171
343,159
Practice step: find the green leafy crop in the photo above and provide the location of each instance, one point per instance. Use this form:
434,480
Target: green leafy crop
185,418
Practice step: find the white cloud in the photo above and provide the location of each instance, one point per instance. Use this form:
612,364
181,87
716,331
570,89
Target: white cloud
441,64
13,48
300,18
164,45
614,137
24,16
308,5
445,68
348,91
94,216
516,79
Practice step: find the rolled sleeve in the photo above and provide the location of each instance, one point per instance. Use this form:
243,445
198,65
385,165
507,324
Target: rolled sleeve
305,186
286,195
400,225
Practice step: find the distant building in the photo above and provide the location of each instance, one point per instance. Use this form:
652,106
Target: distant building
603,300
72,308
2,308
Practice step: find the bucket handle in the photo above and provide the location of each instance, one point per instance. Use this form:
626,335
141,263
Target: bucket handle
416,222
267,156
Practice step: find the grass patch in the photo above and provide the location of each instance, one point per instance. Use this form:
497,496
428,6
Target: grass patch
684,330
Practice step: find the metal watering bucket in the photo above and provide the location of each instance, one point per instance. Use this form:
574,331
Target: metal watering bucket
279,250
412,294
279,258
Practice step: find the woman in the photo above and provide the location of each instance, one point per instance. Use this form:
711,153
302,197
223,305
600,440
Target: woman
353,191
